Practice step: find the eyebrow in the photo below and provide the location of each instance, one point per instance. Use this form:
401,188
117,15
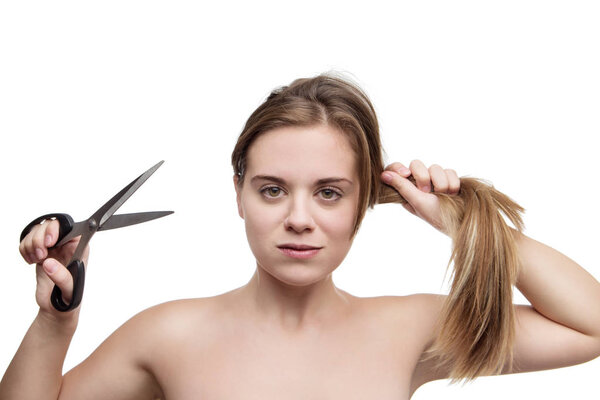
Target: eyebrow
322,181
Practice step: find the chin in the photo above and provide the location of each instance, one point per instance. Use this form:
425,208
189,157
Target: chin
297,274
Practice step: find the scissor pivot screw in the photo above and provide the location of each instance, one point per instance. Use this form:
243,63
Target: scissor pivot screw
93,224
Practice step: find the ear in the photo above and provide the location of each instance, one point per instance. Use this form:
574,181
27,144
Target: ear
238,195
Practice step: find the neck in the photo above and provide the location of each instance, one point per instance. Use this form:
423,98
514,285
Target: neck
294,308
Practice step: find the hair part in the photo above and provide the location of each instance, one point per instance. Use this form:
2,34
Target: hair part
476,329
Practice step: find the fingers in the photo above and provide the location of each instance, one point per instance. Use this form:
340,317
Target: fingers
34,247
60,276
398,168
439,179
405,187
434,178
421,175
453,181
419,197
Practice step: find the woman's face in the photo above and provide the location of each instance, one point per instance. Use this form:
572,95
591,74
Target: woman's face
299,201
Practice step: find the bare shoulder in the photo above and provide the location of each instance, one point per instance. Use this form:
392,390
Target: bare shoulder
128,363
173,323
178,316
413,321
421,310
425,308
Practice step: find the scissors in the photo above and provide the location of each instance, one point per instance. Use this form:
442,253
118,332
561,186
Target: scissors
101,220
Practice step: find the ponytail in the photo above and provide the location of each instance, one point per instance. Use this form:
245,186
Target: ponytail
476,331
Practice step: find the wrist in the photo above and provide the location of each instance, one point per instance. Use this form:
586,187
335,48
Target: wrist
63,325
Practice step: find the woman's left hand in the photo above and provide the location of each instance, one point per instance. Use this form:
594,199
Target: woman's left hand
421,201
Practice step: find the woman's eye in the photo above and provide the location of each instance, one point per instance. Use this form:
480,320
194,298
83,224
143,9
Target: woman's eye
330,194
272,191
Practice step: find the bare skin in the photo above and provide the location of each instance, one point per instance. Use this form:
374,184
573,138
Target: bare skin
290,333
364,351
222,347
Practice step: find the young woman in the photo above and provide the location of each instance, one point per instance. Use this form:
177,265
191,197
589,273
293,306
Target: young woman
306,167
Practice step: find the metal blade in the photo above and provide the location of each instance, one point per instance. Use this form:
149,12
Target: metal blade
121,220
108,209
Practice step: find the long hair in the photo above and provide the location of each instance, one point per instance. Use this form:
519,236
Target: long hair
476,328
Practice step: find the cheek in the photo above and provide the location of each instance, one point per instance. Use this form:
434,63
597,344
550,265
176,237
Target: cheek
260,220
338,223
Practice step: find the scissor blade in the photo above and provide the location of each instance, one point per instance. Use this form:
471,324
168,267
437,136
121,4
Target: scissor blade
121,220
108,209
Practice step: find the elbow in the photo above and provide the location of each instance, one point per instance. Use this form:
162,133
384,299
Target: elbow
592,350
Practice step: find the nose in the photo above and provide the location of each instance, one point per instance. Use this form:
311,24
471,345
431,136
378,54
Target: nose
299,217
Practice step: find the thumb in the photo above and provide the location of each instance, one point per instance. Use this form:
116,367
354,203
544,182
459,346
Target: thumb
61,277
405,187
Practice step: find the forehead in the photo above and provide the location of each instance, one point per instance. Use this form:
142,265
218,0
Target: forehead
313,152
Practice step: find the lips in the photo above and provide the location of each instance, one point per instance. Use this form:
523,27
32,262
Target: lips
300,251
295,246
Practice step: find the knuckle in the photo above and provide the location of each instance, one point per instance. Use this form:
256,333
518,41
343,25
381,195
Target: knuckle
423,179
38,237
27,241
415,163
24,254
52,227
28,248
37,241
441,187
397,180
396,166
419,169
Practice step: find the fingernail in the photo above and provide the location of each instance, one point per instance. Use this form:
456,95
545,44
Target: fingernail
50,267
48,240
426,189
404,171
387,177
39,253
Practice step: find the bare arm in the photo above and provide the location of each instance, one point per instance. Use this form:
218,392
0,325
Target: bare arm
36,369
116,370
119,369
562,326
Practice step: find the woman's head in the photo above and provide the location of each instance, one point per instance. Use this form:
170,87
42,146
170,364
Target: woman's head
299,201
322,100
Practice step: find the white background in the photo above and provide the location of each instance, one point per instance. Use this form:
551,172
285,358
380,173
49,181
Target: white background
94,93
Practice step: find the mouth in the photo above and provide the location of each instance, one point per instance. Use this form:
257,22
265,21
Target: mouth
299,251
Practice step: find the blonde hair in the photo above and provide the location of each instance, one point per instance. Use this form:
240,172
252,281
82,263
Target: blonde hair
476,330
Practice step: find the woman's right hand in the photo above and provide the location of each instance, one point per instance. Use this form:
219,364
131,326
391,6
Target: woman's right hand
420,200
50,262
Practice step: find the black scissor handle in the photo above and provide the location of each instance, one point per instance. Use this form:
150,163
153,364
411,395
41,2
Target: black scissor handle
77,270
64,220
76,267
